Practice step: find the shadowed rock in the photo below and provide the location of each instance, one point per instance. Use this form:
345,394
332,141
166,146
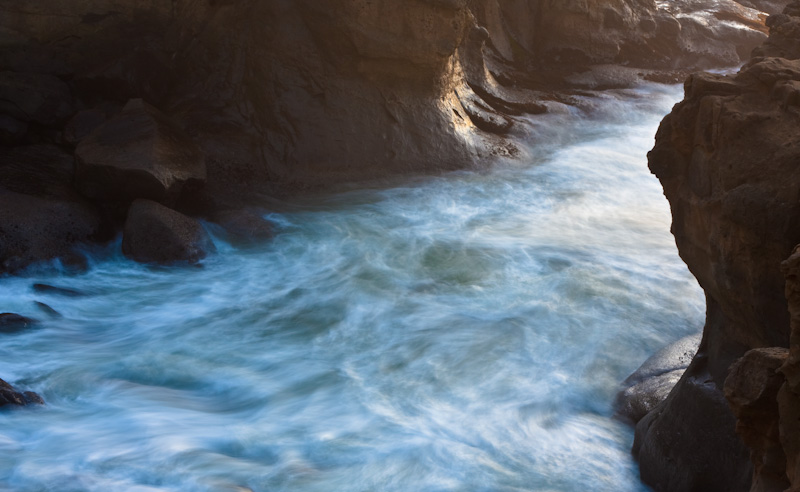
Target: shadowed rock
652,382
14,323
154,233
10,396
41,217
139,153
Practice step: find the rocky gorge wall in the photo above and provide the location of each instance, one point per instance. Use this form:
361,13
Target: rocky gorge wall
727,157
183,107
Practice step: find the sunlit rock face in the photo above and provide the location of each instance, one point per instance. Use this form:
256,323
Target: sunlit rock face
727,158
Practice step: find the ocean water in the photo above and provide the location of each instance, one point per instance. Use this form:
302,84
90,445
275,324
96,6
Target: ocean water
463,332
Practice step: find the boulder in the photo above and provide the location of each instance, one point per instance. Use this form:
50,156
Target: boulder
41,217
650,385
10,396
154,233
140,153
14,323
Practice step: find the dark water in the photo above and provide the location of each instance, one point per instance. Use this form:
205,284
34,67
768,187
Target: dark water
458,333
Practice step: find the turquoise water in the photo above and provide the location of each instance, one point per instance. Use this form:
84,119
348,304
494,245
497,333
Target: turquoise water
464,332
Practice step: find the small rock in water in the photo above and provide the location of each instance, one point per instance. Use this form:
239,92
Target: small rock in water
48,310
14,323
10,396
58,291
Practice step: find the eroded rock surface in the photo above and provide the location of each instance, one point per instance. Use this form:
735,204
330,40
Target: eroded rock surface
727,159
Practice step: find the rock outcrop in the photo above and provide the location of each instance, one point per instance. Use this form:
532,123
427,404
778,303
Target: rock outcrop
727,159
156,234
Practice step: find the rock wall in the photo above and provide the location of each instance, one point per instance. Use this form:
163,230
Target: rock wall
727,158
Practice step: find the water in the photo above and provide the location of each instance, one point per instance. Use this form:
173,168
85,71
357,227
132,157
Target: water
465,332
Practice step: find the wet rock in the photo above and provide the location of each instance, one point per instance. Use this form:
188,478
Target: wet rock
139,153
41,217
57,291
244,226
10,396
727,159
686,441
154,233
14,323
752,392
650,385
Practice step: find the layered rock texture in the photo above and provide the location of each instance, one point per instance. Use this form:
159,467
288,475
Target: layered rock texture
196,103
727,157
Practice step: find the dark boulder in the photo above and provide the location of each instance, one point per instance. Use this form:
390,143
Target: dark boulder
156,234
14,323
652,382
140,153
10,396
41,217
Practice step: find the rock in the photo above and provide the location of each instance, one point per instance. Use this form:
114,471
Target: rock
41,217
34,98
14,323
244,226
752,392
688,440
154,233
650,385
52,313
58,291
727,159
139,153
10,396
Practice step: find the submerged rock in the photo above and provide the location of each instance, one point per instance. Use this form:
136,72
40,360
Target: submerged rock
154,233
58,291
13,323
139,153
10,396
244,226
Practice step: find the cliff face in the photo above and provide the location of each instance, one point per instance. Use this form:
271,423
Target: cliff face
727,158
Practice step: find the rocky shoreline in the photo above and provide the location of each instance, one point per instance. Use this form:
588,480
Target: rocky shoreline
140,120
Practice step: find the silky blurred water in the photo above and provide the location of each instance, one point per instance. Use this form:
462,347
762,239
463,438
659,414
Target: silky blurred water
465,332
